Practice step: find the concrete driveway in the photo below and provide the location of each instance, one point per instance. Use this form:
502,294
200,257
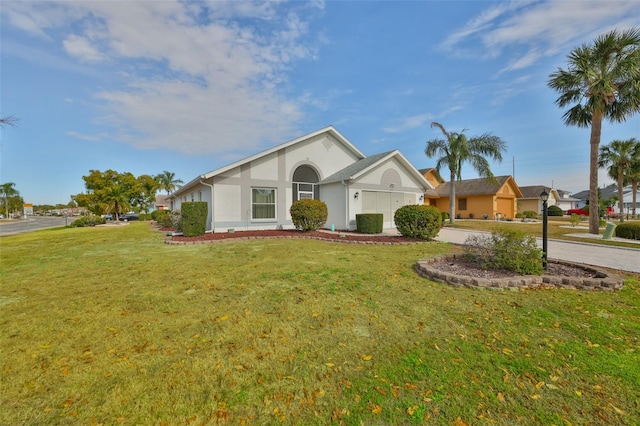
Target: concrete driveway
621,258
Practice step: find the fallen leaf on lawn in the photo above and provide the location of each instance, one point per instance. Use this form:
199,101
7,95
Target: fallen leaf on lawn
367,357
617,410
578,393
381,391
507,351
500,397
539,385
330,364
535,396
459,422
550,386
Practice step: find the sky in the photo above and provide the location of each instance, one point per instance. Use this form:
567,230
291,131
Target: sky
191,86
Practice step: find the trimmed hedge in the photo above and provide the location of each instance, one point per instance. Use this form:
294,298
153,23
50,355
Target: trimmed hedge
369,223
87,221
308,215
418,221
194,218
628,230
555,211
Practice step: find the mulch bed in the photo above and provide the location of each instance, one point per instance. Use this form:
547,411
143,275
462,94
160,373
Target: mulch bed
339,236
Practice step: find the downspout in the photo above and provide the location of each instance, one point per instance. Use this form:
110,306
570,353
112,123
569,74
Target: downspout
210,186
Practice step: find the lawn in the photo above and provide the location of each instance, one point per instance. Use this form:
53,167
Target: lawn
111,326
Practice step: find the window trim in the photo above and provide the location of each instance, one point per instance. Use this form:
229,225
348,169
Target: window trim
462,204
275,205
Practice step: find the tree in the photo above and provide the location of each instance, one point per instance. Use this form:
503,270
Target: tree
619,156
105,188
457,149
9,121
602,81
7,191
168,182
634,178
116,198
148,187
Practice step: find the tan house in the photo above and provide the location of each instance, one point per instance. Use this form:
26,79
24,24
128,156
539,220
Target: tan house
530,200
478,198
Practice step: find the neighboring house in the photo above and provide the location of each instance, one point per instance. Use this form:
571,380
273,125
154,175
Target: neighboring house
257,192
530,200
476,198
161,202
608,193
567,201
433,177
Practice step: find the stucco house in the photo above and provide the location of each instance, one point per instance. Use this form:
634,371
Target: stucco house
530,200
476,198
257,192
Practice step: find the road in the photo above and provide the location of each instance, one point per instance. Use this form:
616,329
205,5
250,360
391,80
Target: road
33,223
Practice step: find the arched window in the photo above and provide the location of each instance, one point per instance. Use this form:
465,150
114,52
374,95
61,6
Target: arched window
305,183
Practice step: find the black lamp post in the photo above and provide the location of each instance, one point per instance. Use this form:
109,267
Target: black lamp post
544,196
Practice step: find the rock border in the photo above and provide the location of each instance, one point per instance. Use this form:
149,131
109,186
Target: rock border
169,241
603,281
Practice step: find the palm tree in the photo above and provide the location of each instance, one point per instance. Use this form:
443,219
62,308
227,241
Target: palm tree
601,81
7,190
9,121
457,149
634,178
619,157
116,198
167,181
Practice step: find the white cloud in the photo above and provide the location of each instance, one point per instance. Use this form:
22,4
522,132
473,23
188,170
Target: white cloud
195,77
81,48
531,30
408,123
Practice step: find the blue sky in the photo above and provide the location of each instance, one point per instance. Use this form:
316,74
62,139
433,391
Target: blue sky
188,87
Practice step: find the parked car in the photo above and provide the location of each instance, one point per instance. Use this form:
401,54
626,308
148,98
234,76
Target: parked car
129,217
579,212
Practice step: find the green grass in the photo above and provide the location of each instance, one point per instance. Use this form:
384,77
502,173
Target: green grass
111,326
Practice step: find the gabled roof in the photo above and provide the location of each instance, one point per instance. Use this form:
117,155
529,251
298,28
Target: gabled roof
535,191
329,129
480,186
360,167
434,171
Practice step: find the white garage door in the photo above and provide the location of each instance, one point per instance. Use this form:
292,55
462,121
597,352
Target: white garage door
386,203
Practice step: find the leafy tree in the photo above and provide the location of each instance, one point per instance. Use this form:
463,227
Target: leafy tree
109,192
634,178
457,149
602,81
7,190
9,121
116,198
168,182
620,156
148,187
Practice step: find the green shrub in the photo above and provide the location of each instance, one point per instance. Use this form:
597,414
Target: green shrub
418,221
602,223
176,220
194,218
628,230
163,217
144,216
519,215
575,219
444,216
308,215
87,221
505,248
554,211
530,214
369,223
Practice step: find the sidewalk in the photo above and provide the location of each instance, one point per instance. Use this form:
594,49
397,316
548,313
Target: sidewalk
621,258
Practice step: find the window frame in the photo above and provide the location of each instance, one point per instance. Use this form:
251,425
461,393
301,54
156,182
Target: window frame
462,204
274,204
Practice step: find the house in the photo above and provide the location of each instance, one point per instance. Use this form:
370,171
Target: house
567,201
477,198
610,194
432,176
530,200
257,192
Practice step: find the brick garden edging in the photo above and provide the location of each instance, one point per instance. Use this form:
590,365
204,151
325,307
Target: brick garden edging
602,281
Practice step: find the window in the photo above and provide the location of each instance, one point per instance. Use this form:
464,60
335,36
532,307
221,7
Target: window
462,204
263,203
